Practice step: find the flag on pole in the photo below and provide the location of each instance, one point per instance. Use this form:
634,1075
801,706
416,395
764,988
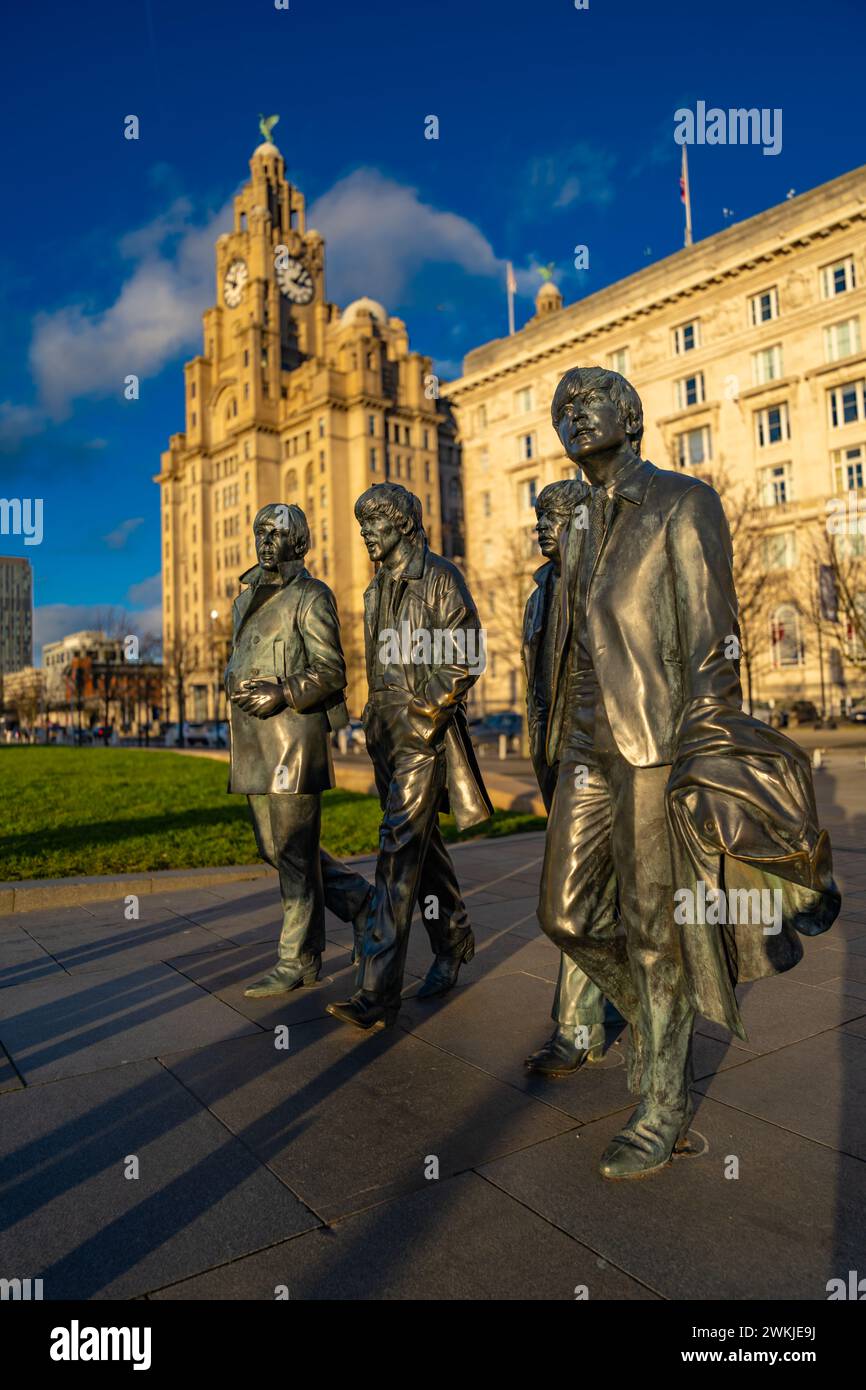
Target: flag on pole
511,287
685,197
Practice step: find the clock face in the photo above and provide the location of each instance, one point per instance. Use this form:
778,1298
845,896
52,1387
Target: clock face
295,281
233,285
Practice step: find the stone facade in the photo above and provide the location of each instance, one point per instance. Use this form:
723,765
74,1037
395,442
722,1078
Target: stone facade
16,614
293,401
747,351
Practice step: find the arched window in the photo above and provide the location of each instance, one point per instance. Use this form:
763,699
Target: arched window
786,644
292,480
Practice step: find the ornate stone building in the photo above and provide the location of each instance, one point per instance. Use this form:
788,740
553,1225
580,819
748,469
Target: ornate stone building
291,400
748,352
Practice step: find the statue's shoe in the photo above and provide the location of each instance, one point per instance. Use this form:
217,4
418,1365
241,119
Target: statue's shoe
359,926
365,1013
284,978
562,1056
647,1142
443,973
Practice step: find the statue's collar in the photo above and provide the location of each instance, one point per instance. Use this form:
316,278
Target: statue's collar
288,570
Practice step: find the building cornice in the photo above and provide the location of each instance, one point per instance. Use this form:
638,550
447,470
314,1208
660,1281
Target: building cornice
591,309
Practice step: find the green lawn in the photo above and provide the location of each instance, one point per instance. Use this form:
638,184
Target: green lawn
66,811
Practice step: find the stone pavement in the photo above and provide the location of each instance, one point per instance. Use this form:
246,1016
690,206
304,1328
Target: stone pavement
155,1142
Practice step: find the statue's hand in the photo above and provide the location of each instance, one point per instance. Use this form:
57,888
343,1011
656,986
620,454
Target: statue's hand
260,698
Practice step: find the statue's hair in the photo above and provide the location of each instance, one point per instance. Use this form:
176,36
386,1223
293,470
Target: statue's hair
625,398
394,501
290,519
564,496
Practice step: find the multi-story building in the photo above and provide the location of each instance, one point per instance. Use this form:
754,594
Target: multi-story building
16,614
293,401
59,658
748,352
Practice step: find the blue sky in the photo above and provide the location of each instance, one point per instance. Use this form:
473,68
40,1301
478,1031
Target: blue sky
556,128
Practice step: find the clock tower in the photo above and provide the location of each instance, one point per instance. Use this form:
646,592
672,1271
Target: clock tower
291,400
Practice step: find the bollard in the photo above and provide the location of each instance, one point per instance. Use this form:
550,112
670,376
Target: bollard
503,746
817,758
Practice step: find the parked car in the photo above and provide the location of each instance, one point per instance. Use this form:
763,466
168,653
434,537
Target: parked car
490,727
857,712
796,712
760,711
205,733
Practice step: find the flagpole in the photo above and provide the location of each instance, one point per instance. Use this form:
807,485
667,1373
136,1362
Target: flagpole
510,285
686,197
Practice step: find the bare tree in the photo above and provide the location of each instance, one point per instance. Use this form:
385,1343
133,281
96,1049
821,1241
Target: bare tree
757,583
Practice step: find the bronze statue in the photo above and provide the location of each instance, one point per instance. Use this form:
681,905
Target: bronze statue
285,684
578,1005
664,786
424,650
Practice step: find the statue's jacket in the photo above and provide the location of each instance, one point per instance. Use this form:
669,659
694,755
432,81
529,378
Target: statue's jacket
663,634
433,599
288,632
537,702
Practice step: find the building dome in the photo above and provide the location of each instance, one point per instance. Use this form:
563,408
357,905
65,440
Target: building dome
365,306
548,298
266,148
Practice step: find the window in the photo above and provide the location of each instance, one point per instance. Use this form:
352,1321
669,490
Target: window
321,428
848,468
192,390
780,551
481,418
407,436
764,307
775,483
689,390
767,364
426,439
530,491
694,447
373,461
484,459
772,425
841,339
687,337
371,424
526,446
847,403
618,361
786,646
193,419
486,509
523,399
246,357
838,278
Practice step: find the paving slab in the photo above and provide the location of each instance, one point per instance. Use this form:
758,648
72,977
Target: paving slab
74,1219
23,961
9,1078
349,1120
464,1239
779,1011
70,1024
226,974
794,1218
112,946
815,1088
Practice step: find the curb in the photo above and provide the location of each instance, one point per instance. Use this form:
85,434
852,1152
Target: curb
34,894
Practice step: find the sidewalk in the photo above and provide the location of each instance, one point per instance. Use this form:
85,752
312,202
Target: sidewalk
159,1139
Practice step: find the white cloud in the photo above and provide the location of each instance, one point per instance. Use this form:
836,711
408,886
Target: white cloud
380,234
156,316
116,539
148,591
52,621
17,423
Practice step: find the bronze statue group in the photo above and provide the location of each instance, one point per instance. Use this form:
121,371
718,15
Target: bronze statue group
657,784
